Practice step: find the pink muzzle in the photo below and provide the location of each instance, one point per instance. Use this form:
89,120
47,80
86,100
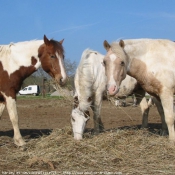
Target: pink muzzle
112,89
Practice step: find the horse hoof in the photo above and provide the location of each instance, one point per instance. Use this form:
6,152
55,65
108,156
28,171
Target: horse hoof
23,148
19,142
164,132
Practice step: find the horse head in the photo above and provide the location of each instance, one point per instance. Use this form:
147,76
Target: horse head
79,119
115,63
51,55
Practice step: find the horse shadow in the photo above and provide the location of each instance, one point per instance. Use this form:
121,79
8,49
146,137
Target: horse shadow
27,133
153,128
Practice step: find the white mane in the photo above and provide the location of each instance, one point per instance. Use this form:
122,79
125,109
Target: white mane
4,50
90,75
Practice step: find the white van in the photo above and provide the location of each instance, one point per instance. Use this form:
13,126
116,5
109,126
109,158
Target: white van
30,90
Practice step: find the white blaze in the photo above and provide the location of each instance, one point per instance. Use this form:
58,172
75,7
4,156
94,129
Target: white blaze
111,79
112,57
61,63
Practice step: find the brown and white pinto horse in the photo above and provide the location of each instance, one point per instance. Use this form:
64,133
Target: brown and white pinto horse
151,62
20,60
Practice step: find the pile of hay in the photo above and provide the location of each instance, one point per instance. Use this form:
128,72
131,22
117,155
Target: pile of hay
128,151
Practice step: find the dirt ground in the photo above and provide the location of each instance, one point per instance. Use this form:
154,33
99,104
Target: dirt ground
40,116
44,114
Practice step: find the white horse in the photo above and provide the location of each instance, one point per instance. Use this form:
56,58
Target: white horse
151,62
90,83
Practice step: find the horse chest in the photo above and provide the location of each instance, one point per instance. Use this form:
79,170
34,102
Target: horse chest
146,79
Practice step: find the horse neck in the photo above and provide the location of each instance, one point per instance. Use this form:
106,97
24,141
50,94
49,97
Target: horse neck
135,50
22,56
89,74
22,53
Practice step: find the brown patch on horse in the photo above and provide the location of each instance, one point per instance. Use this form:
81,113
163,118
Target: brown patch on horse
76,102
12,84
87,114
33,61
146,79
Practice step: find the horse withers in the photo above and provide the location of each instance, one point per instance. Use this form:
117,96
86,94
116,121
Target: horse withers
20,60
151,62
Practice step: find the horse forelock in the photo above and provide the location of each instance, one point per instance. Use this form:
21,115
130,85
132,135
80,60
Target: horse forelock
58,47
118,50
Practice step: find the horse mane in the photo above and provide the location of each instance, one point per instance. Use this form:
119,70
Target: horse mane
85,78
5,50
58,47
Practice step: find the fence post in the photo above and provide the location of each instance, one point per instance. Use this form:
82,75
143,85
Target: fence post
44,88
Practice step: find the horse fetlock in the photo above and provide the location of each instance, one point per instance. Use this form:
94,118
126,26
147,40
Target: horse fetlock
19,142
164,132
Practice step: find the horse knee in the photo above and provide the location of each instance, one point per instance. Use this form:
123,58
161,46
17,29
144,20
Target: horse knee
169,120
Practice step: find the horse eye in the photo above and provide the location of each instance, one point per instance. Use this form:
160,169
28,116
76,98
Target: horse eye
104,62
122,63
73,119
52,56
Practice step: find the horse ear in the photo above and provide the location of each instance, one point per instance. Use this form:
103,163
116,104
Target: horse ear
106,45
46,40
122,44
61,42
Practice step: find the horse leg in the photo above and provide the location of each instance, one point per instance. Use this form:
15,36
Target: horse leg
150,101
161,113
134,101
2,106
96,107
11,107
168,108
141,99
145,111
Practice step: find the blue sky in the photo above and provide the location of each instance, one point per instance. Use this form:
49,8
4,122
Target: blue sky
86,23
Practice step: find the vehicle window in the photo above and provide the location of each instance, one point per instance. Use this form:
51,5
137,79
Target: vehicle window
30,88
24,89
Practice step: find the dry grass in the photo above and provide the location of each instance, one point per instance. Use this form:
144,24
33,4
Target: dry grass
129,151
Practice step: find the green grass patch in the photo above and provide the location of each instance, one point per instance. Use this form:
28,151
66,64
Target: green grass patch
29,97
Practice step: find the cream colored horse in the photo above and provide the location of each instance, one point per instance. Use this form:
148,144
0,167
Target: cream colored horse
152,63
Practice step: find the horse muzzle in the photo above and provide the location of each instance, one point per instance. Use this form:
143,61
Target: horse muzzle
112,90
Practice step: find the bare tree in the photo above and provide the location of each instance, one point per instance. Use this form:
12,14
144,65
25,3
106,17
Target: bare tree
38,76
